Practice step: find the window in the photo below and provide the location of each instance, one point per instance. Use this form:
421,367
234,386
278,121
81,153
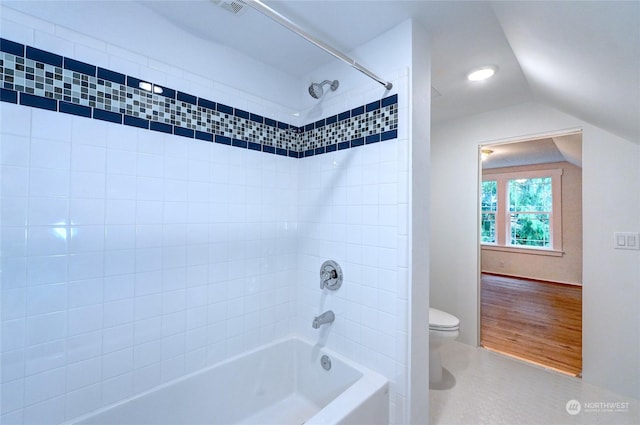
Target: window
522,210
489,209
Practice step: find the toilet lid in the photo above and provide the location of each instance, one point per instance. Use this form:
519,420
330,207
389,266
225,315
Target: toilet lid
440,320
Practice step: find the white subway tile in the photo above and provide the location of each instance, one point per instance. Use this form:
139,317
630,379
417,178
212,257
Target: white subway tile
13,303
119,262
86,239
149,188
116,389
49,41
88,132
121,137
42,357
44,299
48,183
173,301
174,323
149,212
150,165
84,319
14,211
49,411
46,153
122,64
83,373
86,211
48,211
14,272
173,368
43,386
14,334
13,241
91,51
15,119
120,211
12,363
49,269
82,401
50,125
118,313
88,158
147,377
85,292
148,306
47,240
119,287
147,354
15,150
83,346
117,338
120,186
119,161
117,363
147,330
86,265
15,30
15,181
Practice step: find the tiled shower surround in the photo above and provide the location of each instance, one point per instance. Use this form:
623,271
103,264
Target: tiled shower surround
42,79
134,252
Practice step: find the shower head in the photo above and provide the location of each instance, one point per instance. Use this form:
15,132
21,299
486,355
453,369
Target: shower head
316,91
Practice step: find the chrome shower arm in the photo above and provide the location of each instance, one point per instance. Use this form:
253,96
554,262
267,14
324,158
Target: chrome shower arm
287,23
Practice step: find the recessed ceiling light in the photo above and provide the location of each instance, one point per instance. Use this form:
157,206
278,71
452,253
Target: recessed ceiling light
482,74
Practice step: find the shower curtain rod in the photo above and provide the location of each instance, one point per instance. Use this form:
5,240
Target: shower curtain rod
287,23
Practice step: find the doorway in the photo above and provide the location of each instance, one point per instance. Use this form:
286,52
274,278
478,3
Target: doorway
531,251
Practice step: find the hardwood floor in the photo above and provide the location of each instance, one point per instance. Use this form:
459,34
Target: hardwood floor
534,320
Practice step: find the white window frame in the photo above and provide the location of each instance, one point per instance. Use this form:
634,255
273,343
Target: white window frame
503,215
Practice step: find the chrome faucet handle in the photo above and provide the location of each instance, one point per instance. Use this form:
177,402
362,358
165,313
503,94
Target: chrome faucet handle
326,276
330,275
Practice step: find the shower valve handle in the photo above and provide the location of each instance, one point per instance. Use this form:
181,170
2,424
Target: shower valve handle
330,275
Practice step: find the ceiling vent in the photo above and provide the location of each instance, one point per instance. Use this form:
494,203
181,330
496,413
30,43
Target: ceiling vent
237,7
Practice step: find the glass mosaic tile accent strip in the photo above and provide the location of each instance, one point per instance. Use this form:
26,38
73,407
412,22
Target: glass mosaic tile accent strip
40,79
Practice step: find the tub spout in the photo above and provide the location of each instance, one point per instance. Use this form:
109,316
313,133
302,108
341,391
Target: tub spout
326,317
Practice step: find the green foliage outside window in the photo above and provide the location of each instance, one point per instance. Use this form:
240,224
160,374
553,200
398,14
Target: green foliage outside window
530,204
489,209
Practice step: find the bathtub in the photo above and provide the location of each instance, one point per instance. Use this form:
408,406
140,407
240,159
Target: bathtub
280,383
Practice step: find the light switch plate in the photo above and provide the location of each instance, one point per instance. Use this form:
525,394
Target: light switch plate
626,240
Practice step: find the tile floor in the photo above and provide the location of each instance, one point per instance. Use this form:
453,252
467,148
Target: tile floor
483,387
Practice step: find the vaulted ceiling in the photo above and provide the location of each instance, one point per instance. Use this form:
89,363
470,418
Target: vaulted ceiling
580,57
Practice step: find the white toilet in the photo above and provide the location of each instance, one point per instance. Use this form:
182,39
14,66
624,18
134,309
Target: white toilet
443,328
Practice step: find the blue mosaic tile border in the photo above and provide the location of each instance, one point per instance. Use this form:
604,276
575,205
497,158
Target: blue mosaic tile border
41,79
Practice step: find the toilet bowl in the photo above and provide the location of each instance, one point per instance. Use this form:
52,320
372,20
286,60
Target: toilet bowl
443,328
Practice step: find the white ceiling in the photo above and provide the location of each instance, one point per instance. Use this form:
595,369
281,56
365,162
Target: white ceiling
542,151
582,58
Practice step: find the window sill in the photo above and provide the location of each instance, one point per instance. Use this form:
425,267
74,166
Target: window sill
518,250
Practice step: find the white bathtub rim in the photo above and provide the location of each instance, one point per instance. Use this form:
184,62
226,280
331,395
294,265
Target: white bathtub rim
357,391
349,400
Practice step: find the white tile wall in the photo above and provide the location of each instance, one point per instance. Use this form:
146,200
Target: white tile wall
353,209
131,257
118,269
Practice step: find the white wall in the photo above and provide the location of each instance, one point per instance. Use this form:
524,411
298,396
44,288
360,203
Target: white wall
611,202
130,257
